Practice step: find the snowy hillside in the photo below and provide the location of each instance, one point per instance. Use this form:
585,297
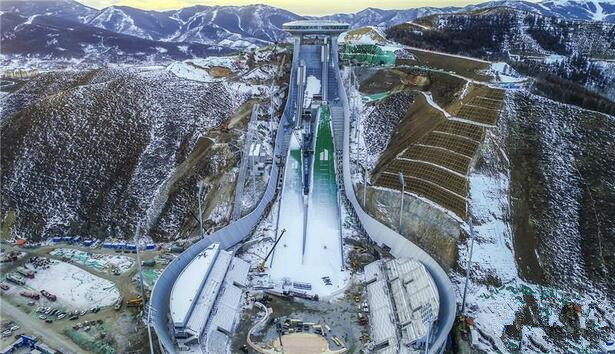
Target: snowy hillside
540,213
94,152
575,52
510,32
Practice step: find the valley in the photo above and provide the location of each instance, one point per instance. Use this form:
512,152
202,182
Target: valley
399,181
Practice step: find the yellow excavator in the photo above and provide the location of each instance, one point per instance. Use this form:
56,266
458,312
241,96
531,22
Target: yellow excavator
261,266
135,302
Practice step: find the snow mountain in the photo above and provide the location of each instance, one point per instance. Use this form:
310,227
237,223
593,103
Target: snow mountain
66,9
233,27
135,22
386,18
230,26
50,37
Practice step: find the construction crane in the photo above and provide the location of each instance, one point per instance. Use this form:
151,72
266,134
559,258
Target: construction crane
261,266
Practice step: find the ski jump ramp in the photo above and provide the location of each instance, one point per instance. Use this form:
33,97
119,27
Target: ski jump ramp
310,252
235,232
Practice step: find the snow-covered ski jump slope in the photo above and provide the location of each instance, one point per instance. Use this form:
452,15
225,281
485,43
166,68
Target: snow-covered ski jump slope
310,250
242,228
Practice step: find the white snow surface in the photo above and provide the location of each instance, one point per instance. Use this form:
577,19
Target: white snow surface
288,262
312,87
505,73
75,287
554,58
187,71
494,306
365,35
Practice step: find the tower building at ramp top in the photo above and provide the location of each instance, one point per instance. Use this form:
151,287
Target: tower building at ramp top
332,28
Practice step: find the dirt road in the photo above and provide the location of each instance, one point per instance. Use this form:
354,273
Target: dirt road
38,329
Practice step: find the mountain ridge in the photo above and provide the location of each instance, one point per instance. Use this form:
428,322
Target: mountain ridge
207,29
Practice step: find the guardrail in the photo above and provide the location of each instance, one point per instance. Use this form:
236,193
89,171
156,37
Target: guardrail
400,246
226,236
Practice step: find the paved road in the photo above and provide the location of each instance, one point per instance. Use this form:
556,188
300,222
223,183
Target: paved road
241,179
37,328
448,54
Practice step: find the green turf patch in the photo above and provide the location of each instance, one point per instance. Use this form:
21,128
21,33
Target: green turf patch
368,54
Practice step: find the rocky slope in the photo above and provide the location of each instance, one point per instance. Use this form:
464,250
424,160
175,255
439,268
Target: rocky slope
539,201
503,31
96,152
541,208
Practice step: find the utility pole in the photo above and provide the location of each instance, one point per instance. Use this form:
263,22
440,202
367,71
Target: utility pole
469,264
200,190
401,207
137,245
365,178
143,299
149,330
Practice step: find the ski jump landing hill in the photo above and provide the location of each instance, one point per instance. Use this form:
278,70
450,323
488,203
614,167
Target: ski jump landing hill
239,230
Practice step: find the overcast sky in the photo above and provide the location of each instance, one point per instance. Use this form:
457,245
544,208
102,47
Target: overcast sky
303,7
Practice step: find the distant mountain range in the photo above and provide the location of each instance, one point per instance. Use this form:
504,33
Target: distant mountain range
68,29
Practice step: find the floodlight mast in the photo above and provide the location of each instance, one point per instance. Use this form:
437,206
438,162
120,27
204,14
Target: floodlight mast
137,247
401,207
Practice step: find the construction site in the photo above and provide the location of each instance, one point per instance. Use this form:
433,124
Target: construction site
75,296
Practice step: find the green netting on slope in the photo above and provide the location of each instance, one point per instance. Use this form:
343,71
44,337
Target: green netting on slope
94,346
79,257
368,54
548,300
383,94
324,165
150,276
378,96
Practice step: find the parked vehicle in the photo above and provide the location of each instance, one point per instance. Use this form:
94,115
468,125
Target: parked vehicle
30,295
25,272
48,295
14,278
